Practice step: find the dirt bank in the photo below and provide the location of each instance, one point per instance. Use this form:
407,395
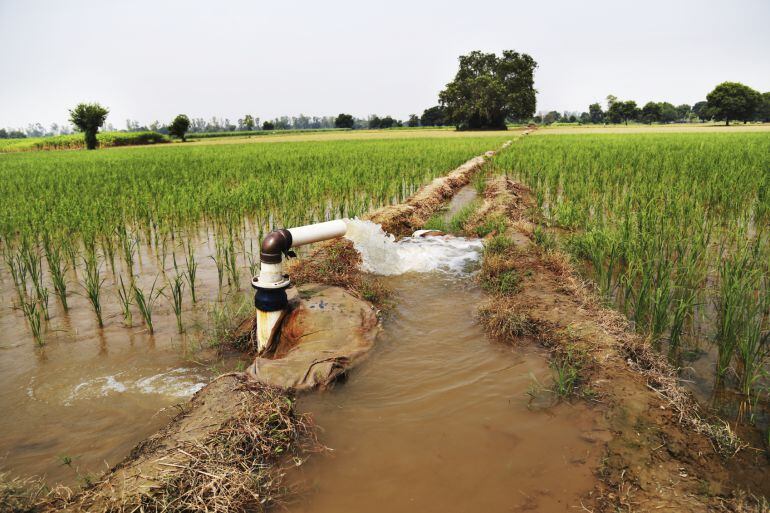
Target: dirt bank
666,453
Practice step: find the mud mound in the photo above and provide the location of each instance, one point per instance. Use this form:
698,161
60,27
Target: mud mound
326,333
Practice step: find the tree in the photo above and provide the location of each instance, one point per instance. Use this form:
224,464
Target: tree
413,120
700,109
651,113
344,121
3,133
763,112
88,118
585,118
621,111
551,117
434,116
733,101
387,122
374,121
267,125
595,113
683,112
179,127
487,90
248,122
668,113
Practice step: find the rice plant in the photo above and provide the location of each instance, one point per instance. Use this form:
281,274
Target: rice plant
32,314
125,298
176,285
93,283
145,302
192,267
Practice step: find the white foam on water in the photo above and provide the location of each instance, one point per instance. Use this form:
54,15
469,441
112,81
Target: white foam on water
179,382
383,255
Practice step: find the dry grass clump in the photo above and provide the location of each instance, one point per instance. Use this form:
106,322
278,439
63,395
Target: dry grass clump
503,319
338,263
20,495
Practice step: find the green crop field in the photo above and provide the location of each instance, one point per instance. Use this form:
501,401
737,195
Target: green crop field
77,141
673,229
85,210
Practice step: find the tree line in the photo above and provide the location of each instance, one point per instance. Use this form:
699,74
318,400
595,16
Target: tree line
729,101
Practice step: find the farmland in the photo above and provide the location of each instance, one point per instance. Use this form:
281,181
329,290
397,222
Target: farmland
673,230
123,271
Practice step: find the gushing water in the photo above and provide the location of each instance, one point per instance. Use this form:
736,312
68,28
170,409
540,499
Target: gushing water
383,255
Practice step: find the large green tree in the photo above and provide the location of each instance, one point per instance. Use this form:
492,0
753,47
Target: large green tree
88,118
651,112
733,101
179,127
489,89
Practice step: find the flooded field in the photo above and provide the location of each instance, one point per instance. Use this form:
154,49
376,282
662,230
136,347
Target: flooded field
86,397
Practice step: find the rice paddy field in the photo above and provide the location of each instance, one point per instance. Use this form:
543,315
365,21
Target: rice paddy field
123,269
673,229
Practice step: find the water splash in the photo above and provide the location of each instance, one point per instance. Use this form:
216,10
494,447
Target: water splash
383,255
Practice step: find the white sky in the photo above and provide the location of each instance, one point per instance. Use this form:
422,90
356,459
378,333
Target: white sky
150,60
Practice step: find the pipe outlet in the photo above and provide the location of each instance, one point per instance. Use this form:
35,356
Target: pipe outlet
270,298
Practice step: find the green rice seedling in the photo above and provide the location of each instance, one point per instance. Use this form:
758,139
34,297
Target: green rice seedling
176,285
108,250
32,314
93,283
252,258
192,267
18,273
125,298
57,267
145,302
566,370
219,258
231,265
128,245
544,240
480,182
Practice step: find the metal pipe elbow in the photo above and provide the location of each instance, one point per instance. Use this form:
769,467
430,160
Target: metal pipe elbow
274,245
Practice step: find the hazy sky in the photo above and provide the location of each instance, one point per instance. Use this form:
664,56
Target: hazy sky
150,60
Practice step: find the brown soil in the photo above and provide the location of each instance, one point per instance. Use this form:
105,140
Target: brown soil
665,454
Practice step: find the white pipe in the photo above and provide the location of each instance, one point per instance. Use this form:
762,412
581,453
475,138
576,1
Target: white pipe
302,235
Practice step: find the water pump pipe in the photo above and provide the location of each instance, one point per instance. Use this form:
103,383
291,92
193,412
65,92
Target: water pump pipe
270,298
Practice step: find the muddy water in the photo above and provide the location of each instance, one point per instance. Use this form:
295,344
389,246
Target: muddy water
439,419
90,394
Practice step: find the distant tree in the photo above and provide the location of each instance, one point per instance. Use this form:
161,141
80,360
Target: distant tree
434,116
621,112
668,113
387,122
551,117
700,109
651,113
611,100
179,127
683,112
487,90
374,121
763,112
3,133
572,118
595,113
248,122
88,118
413,120
344,121
733,101
267,125
585,118
537,119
